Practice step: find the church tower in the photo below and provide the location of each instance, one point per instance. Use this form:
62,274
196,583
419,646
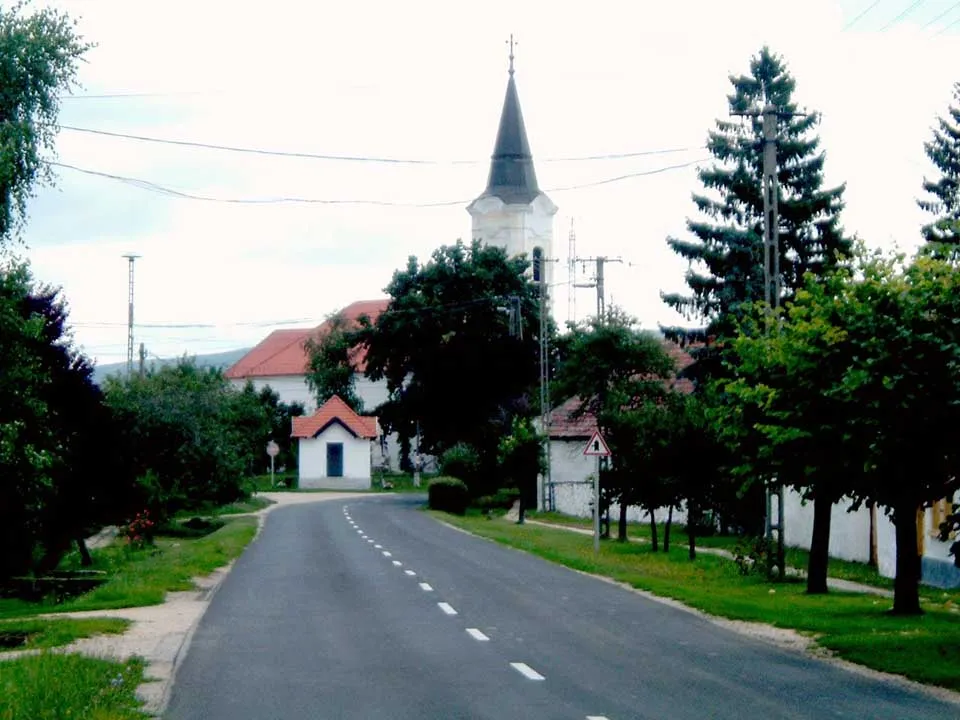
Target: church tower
512,212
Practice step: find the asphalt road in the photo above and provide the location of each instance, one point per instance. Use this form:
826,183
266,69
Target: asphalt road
321,618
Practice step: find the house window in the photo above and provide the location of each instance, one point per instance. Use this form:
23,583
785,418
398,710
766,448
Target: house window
334,459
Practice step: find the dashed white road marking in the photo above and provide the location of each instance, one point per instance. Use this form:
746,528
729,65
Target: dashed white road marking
477,635
527,671
411,573
387,553
597,717
425,587
379,547
369,540
446,608
397,563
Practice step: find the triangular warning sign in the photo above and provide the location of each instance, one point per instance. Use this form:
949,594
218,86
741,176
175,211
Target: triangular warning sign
597,446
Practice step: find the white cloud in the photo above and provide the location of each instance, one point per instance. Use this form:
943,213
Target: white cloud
426,80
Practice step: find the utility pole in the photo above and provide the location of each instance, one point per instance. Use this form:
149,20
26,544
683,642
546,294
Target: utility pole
545,491
130,257
572,274
143,359
598,282
772,288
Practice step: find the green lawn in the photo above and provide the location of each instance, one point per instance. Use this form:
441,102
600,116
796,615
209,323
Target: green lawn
856,627
795,557
143,577
250,505
57,632
54,686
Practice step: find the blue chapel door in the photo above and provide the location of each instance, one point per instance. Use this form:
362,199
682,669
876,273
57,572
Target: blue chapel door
334,459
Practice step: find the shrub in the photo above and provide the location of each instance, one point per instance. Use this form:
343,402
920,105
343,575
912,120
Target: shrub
448,495
460,461
502,499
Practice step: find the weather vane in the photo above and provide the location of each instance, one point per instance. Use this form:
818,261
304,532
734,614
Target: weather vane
511,43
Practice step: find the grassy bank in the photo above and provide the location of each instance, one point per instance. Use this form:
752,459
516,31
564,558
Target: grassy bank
856,627
37,633
55,686
143,577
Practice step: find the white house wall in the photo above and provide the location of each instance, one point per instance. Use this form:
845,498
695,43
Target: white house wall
356,460
850,539
571,473
294,388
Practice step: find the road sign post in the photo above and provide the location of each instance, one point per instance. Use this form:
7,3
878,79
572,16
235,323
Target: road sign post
272,450
598,448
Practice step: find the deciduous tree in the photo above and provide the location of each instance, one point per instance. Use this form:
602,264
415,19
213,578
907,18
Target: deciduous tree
330,366
39,54
455,359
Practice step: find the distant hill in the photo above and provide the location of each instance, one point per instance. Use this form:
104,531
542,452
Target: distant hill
221,360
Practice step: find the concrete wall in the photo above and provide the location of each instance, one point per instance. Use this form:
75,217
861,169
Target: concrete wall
356,460
850,539
516,228
572,474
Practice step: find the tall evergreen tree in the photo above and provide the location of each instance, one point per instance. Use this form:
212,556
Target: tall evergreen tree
944,194
726,256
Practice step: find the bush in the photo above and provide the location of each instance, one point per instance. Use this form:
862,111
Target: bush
462,462
502,499
448,495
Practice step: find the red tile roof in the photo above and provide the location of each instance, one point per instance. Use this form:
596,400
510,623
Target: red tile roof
334,410
282,352
565,427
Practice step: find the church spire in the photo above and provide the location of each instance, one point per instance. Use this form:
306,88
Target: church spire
512,176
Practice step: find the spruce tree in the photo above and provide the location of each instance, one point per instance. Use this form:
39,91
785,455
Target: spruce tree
726,254
944,201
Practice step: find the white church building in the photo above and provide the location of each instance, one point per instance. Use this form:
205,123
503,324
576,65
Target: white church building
512,213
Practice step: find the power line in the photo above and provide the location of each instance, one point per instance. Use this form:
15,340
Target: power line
355,158
198,326
945,12
853,22
946,27
898,18
163,190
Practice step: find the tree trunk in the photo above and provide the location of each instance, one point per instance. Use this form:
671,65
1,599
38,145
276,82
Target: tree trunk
819,547
85,559
693,517
906,590
653,531
622,522
666,530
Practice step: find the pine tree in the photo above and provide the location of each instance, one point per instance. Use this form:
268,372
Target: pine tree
726,258
944,152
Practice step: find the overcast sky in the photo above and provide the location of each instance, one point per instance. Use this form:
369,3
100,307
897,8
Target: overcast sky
424,81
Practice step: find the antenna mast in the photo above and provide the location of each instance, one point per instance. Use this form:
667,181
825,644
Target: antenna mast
131,258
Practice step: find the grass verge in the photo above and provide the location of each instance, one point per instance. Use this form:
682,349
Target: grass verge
52,686
56,633
795,557
854,626
144,577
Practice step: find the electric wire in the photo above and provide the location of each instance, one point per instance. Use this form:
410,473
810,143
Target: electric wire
898,18
163,190
944,13
859,17
946,27
355,158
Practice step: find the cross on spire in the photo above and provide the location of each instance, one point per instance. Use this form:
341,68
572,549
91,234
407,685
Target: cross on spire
511,43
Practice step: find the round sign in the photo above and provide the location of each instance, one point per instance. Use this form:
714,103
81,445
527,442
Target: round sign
273,449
